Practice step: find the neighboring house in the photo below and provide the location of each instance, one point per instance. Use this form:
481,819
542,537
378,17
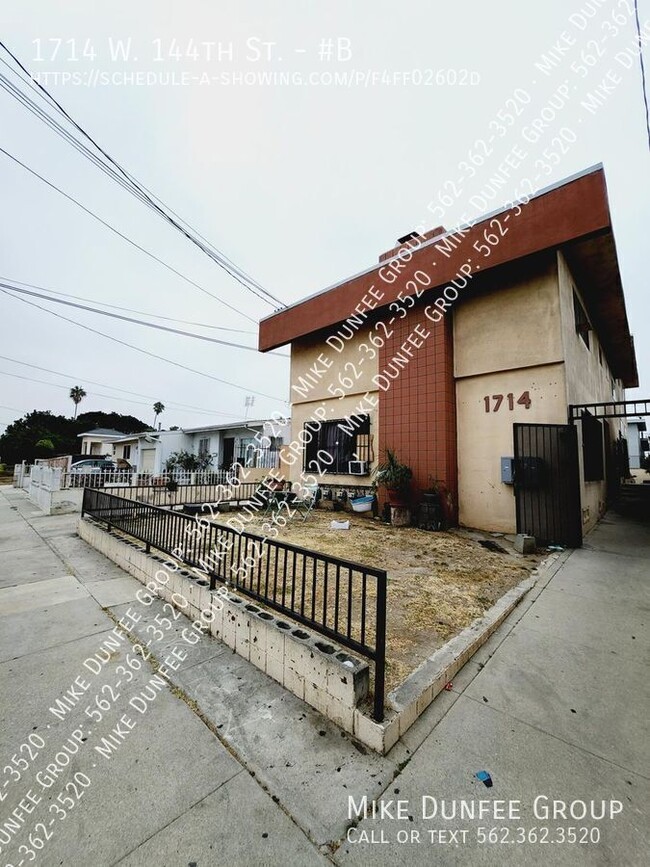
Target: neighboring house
437,351
99,441
226,444
637,446
147,452
251,443
127,448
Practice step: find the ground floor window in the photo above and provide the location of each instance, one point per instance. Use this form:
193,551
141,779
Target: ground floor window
339,446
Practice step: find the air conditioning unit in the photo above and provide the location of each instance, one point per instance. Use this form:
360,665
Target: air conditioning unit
358,468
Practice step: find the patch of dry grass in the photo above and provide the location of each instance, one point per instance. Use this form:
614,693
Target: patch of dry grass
438,583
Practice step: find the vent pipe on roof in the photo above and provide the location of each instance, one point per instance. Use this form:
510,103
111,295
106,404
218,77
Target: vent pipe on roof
411,240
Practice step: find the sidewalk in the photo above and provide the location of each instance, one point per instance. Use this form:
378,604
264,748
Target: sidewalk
556,704
226,767
169,792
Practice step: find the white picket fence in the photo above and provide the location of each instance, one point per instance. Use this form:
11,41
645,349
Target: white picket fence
49,478
21,475
43,482
124,478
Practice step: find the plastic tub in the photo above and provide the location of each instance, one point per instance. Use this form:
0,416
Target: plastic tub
362,504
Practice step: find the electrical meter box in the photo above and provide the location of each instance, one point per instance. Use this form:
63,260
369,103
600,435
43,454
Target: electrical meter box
508,471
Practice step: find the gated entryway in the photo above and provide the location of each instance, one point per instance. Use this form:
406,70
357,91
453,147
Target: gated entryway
547,484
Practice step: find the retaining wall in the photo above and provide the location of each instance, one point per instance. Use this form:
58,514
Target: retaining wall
319,672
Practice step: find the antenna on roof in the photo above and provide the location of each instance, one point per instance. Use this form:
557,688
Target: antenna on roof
249,400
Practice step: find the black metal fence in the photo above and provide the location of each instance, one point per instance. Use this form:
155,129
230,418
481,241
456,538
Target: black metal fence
341,599
173,494
547,486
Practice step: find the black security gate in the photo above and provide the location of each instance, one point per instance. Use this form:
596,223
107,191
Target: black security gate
547,484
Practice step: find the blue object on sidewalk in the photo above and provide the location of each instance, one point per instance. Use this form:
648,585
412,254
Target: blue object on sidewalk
484,777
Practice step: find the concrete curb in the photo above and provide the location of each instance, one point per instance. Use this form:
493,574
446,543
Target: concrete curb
412,697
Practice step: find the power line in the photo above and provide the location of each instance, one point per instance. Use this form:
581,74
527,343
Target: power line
643,82
166,328
127,181
124,237
99,394
131,310
66,387
139,349
77,377
134,186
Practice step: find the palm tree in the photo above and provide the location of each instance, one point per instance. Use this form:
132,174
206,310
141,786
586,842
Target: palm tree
77,394
158,407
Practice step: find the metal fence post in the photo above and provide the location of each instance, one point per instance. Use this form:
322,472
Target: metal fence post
380,649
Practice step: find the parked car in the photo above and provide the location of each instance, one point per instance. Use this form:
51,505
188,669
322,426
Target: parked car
94,465
98,472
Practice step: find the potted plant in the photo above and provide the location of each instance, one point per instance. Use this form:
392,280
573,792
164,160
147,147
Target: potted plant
432,514
432,494
395,477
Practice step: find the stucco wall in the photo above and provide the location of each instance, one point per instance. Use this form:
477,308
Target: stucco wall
634,444
170,442
353,362
506,342
483,438
133,455
514,325
588,380
94,447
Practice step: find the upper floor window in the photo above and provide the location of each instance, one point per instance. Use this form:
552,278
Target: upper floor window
581,320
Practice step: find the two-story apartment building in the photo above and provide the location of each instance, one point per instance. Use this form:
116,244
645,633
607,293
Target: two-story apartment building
453,341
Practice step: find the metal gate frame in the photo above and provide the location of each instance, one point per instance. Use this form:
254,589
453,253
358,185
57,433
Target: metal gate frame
547,483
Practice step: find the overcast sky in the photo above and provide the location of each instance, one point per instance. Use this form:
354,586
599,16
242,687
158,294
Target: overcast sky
301,186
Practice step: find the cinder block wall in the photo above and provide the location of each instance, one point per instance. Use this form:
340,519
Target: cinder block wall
308,665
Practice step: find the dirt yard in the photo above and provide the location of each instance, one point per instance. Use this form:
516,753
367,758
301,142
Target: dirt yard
438,582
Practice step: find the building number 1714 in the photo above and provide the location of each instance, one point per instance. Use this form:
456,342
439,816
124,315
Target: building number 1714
497,401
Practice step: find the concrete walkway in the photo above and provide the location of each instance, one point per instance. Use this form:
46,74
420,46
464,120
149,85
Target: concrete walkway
555,706
227,767
165,791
